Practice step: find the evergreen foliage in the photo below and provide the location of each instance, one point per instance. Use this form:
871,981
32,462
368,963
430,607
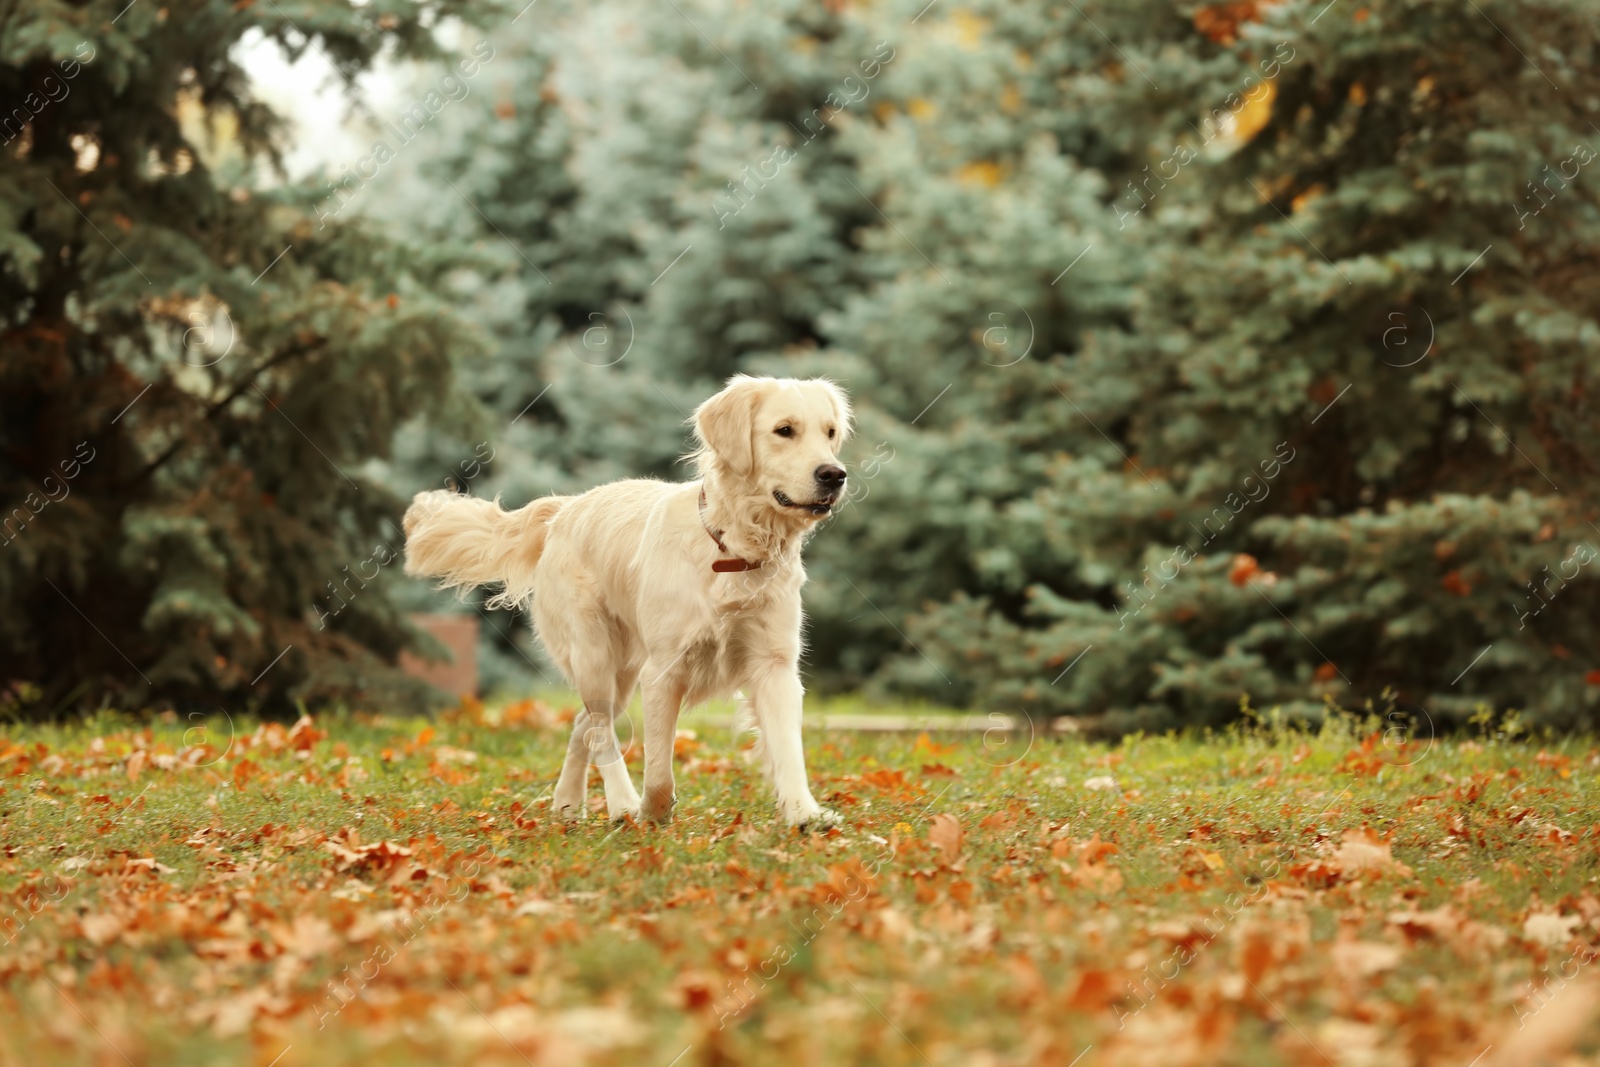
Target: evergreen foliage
1200,351
192,372
1227,395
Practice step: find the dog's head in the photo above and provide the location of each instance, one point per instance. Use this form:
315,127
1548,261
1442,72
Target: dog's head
781,436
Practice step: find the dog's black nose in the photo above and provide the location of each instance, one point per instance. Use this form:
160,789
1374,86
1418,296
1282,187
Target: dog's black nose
830,476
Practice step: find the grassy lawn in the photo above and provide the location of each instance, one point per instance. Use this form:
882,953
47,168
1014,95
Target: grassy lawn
371,890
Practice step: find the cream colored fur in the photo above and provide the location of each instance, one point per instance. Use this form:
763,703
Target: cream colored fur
622,592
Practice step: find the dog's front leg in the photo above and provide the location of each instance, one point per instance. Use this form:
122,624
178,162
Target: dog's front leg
777,697
663,699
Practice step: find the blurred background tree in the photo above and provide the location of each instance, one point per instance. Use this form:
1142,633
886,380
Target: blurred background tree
193,373
1370,260
1201,351
1087,272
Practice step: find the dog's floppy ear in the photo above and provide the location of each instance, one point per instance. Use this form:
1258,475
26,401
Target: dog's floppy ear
725,424
841,408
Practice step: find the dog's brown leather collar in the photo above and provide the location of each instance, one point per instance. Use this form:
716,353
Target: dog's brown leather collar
723,566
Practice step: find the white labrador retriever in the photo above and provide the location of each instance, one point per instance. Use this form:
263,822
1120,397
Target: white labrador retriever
693,588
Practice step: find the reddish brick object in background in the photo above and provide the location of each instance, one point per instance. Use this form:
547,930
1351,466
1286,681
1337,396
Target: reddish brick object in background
459,634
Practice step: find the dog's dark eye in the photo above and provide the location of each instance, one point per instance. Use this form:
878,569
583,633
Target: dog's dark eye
831,432
784,431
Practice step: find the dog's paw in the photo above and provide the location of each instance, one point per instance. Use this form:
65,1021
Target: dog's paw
810,817
660,814
622,816
824,820
569,812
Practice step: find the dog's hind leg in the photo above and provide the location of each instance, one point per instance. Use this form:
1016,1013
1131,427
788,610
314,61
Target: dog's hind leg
622,799
594,740
595,668
571,787
605,696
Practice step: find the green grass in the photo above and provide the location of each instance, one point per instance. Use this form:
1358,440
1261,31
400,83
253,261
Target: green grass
395,891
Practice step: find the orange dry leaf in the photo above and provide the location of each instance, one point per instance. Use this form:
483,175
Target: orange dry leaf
1366,760
1101,877
1182,933
519,712
1257,954
418,743
136,764
302,735
346,846
1244,568
1555,761
1095,850
926,745
945,835
100,927
308,937
1095,989
1093,872
1362,959
885,778
1364,853
1468,937
243,771
1440,923
851,879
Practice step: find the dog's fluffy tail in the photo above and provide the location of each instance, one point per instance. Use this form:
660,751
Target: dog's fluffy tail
464,541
